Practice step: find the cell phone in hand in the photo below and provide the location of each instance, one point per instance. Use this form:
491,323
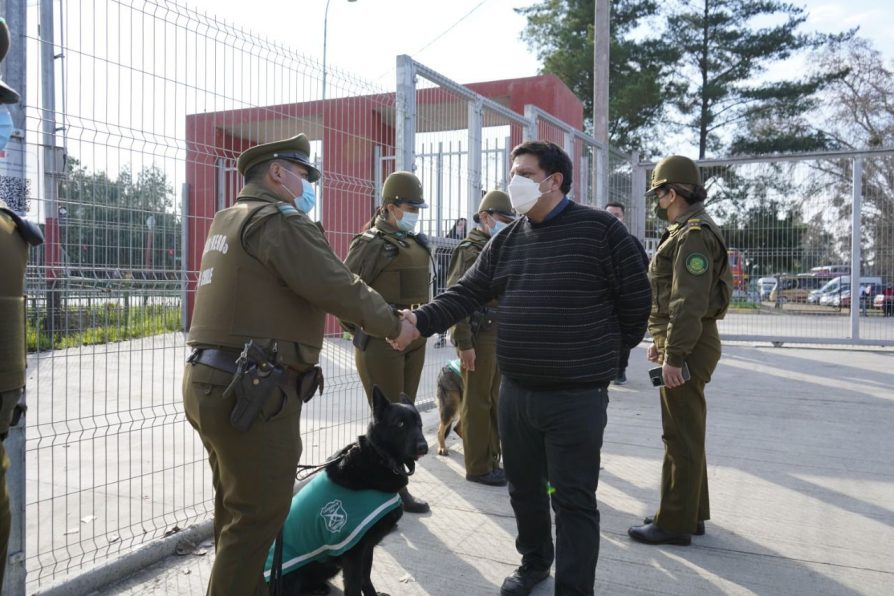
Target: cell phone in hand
658,380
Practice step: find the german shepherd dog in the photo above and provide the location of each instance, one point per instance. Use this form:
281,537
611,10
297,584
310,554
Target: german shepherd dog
374,467
450,397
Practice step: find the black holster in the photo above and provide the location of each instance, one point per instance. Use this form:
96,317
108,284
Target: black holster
257,380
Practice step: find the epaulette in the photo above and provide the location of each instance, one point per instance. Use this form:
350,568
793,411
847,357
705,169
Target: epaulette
466,244
422,239
287,209
694,224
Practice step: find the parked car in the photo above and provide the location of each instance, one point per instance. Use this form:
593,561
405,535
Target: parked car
884,300
766,285
795,288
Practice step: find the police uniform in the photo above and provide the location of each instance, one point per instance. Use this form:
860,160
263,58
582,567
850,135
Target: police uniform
396,265
268,275
481,387
16,235
691,289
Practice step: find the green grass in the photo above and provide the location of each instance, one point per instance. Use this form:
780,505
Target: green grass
100,325
743,304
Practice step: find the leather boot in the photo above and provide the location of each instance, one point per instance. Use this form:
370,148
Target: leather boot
411,504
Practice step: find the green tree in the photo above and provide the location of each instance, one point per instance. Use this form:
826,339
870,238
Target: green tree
727,55
116,227
857,113
561,33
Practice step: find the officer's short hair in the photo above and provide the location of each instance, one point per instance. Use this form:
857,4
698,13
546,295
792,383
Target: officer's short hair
257,171
616,206
550,158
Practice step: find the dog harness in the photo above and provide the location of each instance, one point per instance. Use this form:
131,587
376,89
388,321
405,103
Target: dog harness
326,519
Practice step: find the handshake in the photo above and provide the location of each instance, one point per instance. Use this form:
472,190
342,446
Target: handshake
408,331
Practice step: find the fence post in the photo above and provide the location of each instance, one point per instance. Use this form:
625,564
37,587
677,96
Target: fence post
532,131
405,120
474,164
856,247
638,197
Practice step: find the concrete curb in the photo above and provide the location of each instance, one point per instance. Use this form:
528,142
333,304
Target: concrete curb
128,564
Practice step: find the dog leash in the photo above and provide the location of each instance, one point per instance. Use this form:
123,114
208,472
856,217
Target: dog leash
315,468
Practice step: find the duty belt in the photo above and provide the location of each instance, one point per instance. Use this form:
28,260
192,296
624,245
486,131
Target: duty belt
225,360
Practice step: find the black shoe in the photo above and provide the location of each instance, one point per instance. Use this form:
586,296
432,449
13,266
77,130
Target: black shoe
523,580
621,379
411,504
652,534
699,527
492,478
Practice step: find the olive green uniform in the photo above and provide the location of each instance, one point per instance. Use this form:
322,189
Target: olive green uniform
481,387
396,265
691,289
267,274
13,261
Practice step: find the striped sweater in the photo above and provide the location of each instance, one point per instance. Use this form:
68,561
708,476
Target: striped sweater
572,291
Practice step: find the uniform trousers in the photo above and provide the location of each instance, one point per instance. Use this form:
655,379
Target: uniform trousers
394,372
478,413
684,474
8,401
253,473
551,452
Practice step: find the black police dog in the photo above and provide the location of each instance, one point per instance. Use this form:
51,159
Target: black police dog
381,460
450,398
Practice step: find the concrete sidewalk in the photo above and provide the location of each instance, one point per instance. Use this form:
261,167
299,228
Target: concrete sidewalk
801,467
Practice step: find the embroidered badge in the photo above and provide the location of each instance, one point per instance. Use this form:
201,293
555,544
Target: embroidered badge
335,515
696,263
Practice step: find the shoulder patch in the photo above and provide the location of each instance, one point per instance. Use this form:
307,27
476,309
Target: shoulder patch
287,209
696,263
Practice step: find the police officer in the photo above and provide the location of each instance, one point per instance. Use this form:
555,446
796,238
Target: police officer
16,235
394,261
691,289
476,342
267,275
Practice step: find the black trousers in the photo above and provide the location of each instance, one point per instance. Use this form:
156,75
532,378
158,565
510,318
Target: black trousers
551,443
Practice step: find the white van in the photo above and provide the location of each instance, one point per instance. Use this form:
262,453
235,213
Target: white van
837,285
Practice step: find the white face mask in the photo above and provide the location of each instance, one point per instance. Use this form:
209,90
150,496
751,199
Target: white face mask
524,193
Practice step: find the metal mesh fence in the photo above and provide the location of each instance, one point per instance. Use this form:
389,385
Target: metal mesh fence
790,223
147,106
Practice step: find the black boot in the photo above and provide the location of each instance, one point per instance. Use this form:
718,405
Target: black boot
411,504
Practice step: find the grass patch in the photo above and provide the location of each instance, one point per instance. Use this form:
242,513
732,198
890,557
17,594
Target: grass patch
82,326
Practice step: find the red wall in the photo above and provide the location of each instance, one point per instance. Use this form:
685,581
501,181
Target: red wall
353,126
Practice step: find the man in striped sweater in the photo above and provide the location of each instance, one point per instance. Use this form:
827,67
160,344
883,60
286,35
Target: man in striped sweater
572,293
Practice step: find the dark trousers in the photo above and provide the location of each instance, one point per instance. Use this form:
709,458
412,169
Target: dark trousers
623,359
551,442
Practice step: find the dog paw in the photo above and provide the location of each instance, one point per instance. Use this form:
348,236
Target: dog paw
443,451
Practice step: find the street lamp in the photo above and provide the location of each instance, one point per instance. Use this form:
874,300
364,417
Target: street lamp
323,107
325,39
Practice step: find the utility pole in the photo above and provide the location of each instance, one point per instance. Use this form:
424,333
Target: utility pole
601,45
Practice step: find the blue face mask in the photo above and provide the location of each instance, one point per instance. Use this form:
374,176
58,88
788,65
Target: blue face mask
306,201
408,222
6,126
498,225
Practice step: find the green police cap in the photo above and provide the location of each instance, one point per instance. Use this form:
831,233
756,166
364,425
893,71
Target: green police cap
675,169
295,149
403,187
498,201
7,93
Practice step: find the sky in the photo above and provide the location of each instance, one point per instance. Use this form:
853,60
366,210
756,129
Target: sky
466,40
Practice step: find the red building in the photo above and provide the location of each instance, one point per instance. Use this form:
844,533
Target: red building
351,132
